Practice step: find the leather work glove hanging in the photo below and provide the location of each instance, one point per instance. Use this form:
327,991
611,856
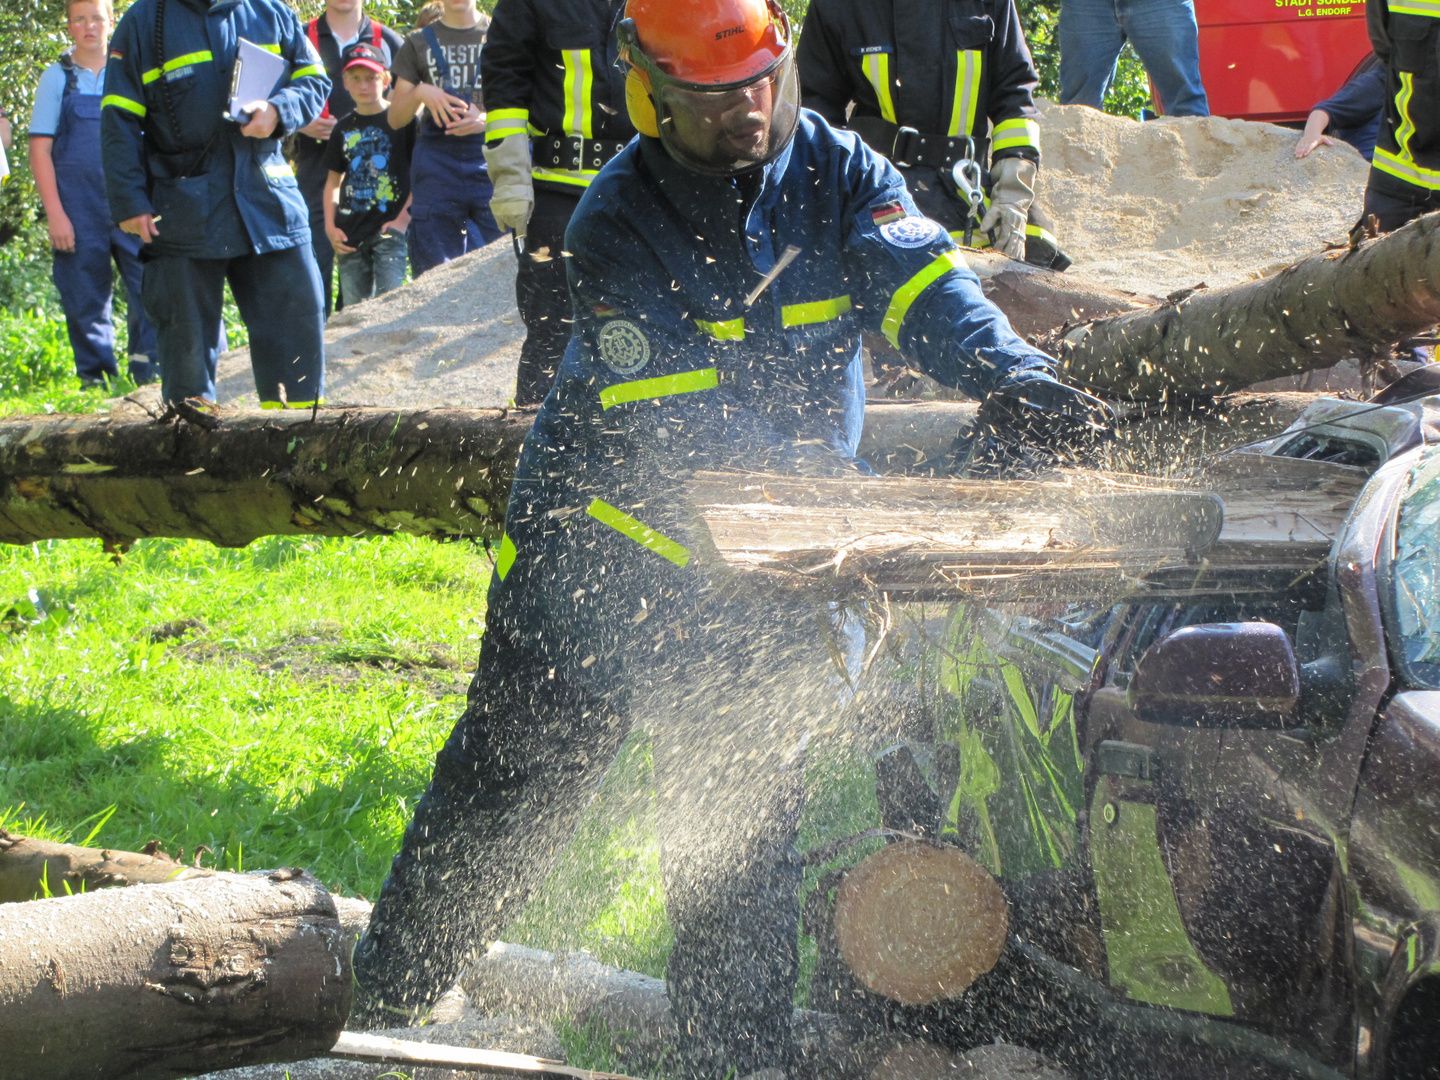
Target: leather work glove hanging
508,162
1012,190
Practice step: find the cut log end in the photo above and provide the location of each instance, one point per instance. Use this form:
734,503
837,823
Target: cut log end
919,923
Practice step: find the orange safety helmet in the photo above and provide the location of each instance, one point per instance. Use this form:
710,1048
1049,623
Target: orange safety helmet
694,62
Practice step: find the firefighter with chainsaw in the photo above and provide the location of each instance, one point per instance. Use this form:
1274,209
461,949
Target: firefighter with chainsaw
943,89
557,114
722,267
1405,172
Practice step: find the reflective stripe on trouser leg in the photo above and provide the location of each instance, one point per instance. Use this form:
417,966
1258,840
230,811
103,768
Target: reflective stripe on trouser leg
278,295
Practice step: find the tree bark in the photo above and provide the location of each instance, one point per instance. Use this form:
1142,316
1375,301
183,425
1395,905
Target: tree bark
1328,308
1039,301
443,473
29,866
171,980
919,923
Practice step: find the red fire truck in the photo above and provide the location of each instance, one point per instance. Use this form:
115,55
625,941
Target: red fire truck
1274,59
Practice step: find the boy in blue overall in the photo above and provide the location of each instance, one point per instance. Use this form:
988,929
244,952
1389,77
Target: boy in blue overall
438,68
65,160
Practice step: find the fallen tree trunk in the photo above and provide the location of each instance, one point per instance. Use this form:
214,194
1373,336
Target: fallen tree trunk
1251,524
443,473
30,867
1039,301
1328,308
171,980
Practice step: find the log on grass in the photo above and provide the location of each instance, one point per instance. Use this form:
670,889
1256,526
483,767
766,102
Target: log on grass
171,980
1249,525
29,868
1331,307
919,923
234,476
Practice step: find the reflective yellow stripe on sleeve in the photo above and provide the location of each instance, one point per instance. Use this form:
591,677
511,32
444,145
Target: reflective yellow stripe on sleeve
1016,132
502,122
638,531
204,56
817,311
1404,169
1430,9
687,382
967,92
1041,234
877,70
506,556
115,101
308,69
907,294
579,86
729,330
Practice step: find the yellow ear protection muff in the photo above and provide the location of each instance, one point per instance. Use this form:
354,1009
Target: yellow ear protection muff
640,105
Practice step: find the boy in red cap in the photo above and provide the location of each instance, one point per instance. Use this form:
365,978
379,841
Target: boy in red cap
367,192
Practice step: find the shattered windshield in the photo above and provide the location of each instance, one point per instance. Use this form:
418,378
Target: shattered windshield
1416,572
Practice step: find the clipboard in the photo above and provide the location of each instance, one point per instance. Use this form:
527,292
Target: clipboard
258,74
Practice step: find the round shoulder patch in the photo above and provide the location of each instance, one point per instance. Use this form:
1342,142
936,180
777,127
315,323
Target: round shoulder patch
910,232
623,346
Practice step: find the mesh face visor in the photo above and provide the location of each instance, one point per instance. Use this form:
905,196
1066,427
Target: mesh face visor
722,129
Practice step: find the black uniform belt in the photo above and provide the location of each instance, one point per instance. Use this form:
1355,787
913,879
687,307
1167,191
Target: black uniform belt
574,152
906,147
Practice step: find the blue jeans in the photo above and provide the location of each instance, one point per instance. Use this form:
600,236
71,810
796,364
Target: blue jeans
1163,33
376,266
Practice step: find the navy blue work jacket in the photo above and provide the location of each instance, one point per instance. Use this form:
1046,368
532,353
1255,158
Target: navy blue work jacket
668,370
168,151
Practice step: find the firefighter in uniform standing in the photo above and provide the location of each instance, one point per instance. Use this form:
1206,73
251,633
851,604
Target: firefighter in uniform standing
213,200
722,268
1405,172
935,83
549,72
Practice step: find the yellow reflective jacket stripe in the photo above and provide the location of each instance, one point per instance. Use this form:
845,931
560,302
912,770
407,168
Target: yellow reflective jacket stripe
579,86
817,311
1041,234
1430,9
502,122
1406,131
1016,132
115,101
559,176
967,91
906,295
506,557
308,69
204,56
728,330
1404,169
686,382
638,531
271,48
877,69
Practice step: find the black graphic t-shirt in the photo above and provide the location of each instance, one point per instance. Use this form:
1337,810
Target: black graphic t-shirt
375,159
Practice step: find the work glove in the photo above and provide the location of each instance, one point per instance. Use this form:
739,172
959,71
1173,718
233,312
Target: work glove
1033,421
508,162
1012,190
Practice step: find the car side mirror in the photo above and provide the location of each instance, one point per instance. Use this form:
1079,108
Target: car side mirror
1233,675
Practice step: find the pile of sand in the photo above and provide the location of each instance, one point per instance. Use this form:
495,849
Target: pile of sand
1176,201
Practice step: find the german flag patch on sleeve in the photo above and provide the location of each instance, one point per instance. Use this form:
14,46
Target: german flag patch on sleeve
887,212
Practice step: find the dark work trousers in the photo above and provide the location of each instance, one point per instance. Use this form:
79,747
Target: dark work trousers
1396,203
543,294
451,192
278,294
324,263
582,640
84,277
